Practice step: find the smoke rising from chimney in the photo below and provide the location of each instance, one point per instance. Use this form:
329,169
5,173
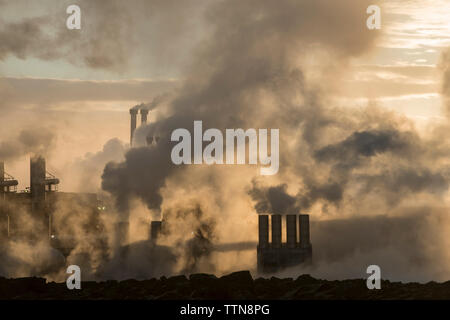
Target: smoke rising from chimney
335,162
254,70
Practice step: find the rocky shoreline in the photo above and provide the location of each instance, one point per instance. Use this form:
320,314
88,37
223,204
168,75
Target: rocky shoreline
235,286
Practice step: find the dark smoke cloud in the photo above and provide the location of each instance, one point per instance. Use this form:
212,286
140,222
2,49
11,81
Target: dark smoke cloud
114,35
331,192
232,68
102,40
273,200
197,250
251,72
363,144
135,177
31,140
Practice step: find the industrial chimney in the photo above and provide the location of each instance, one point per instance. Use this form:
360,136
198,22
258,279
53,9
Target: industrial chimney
263,226
144,113
37,183
304,231
276,230
38,196
155,231
275,255
291,230
133,113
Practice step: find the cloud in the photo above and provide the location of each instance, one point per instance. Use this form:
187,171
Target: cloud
36,140
274,200
114,35
47,92
344,248
242,65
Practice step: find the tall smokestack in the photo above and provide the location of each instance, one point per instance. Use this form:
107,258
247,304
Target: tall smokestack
291,230
37,182
304,230
37,186
155,230
263,226
276,230
144,113
133,113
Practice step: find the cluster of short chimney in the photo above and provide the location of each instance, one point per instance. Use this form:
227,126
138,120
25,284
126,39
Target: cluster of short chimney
133,112
291,231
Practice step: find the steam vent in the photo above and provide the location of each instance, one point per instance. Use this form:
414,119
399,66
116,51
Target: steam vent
276,255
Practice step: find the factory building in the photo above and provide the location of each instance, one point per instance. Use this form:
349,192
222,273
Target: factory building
8,186
41,202
276,255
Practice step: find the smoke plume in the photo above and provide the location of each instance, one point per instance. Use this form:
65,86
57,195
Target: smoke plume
38,140
255,71
111,34
376,187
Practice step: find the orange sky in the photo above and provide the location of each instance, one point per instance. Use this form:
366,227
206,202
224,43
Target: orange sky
85,107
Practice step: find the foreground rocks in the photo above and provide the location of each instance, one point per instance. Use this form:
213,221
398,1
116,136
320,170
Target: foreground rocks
235,286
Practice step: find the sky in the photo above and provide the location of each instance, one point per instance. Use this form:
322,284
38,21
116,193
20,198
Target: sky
362,113
399,73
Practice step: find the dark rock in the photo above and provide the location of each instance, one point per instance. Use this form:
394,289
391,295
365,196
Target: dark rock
234,286
305,279
24,285
177,280
202,279
202,276
241,278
